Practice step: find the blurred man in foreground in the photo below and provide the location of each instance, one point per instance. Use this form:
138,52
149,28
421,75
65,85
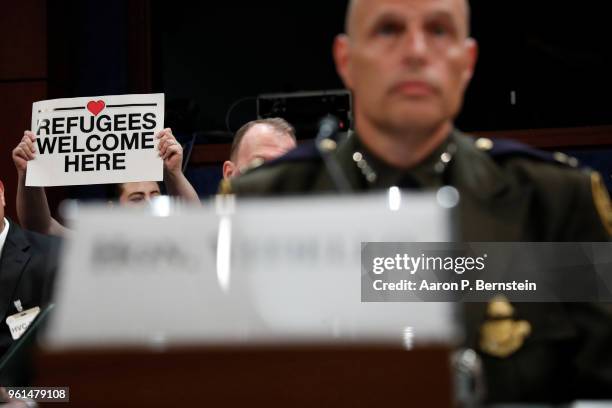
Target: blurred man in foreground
32,206
408,64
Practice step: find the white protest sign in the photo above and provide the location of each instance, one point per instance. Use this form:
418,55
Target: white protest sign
96,140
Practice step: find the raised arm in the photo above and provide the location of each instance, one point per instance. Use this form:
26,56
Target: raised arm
32,206
176,183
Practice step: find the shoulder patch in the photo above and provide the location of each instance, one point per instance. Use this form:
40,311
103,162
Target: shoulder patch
225,187
602,201
503,148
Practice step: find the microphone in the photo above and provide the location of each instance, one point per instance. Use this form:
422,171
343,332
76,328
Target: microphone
328,128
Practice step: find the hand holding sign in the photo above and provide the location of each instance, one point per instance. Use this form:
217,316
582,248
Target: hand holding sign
94,140
24,152
170,150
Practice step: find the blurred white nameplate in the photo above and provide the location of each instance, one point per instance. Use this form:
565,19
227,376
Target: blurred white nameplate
254,271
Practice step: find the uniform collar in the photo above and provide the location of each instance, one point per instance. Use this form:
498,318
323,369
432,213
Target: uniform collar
425,174
470,168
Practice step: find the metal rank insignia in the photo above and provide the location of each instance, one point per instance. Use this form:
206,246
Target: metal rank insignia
501,335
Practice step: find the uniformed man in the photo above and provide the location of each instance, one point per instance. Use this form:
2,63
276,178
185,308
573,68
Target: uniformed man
408,63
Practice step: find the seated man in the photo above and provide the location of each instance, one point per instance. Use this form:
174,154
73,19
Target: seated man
256,142
28,262
33,209
408,64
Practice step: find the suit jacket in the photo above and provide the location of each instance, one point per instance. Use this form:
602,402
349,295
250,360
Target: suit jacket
27,268
509,192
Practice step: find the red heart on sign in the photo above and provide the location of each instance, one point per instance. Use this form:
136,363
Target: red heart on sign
95,107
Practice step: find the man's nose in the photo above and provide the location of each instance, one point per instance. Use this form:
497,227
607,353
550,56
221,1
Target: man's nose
414,46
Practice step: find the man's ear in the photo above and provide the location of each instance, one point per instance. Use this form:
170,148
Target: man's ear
2,200
342,58
471,58
229,169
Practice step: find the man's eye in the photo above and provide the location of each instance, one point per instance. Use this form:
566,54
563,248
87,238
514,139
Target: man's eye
388,29
438,29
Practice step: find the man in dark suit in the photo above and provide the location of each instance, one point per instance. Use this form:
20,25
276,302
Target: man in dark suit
28,262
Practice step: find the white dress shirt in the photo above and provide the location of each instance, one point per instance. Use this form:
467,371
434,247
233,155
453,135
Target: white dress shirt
3,235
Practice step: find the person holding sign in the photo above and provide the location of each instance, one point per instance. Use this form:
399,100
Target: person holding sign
32,206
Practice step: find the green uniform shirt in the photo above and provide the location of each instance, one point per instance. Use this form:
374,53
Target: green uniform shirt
558,351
